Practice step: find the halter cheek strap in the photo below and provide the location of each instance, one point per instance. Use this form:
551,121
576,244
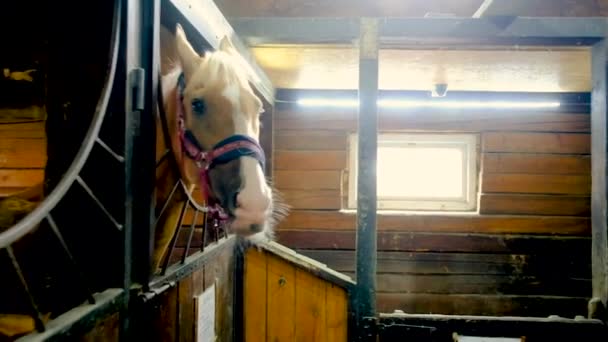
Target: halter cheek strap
229,149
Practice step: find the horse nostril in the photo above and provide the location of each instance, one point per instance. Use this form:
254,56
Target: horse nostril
255,228
235,200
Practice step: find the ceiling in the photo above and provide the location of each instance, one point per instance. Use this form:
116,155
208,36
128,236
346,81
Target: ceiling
533,69
410,8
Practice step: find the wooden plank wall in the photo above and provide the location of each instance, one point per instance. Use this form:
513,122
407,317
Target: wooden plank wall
283,302
171,317
527,251
22,156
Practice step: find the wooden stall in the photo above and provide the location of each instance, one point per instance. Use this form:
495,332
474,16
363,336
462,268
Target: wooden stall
288,297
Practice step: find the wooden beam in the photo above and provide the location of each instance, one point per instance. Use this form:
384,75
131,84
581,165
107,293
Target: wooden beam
426,31
534,328
203,19
347,8
599,169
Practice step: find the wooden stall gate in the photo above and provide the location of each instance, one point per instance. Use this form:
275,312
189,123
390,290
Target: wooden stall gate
231,293
290,297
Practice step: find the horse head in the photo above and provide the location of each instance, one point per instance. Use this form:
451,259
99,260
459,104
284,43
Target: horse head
214,124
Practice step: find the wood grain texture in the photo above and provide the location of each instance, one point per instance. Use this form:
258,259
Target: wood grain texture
186,313
565,205
438,242
485,305
536,184
286,301
255,295
440,120
545,164
311,310
166,322
547,265
481,284
455,223
17,178
308,180
337,313
106,329
310,160
281,309
22,153
30,130
313,199
225,304
536,142
319,140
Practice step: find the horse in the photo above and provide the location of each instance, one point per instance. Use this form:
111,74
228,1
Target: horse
211,127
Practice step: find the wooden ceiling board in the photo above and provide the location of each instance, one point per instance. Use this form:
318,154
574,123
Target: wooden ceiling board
409,8
336,67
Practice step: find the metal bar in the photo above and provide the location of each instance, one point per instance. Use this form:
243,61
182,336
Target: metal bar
98,202
482,8
143,151
205,222
190,236
166,154
166,204
132,59
365,292
533,328
174,237
35,311
599,171
66,249
109,150
80,319
571,31
177,272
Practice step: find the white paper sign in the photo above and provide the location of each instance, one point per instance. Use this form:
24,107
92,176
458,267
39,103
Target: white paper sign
205,304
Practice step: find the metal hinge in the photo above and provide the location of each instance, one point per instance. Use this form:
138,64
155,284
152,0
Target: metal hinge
369,329
138,88
154,292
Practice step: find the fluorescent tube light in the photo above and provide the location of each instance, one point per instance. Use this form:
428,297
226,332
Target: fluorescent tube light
401,103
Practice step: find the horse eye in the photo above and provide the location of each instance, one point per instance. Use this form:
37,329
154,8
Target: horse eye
198,106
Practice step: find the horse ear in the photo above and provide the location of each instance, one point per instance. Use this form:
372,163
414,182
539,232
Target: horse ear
227,46
189,59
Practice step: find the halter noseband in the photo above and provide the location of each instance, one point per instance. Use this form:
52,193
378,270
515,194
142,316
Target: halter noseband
229,149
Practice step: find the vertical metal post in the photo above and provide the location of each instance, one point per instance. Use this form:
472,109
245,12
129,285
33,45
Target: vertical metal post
365,293
134,79
599,171
145,146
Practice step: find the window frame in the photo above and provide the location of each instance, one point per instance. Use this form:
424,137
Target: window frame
467,142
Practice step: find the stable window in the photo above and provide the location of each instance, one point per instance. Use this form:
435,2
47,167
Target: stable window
422,172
